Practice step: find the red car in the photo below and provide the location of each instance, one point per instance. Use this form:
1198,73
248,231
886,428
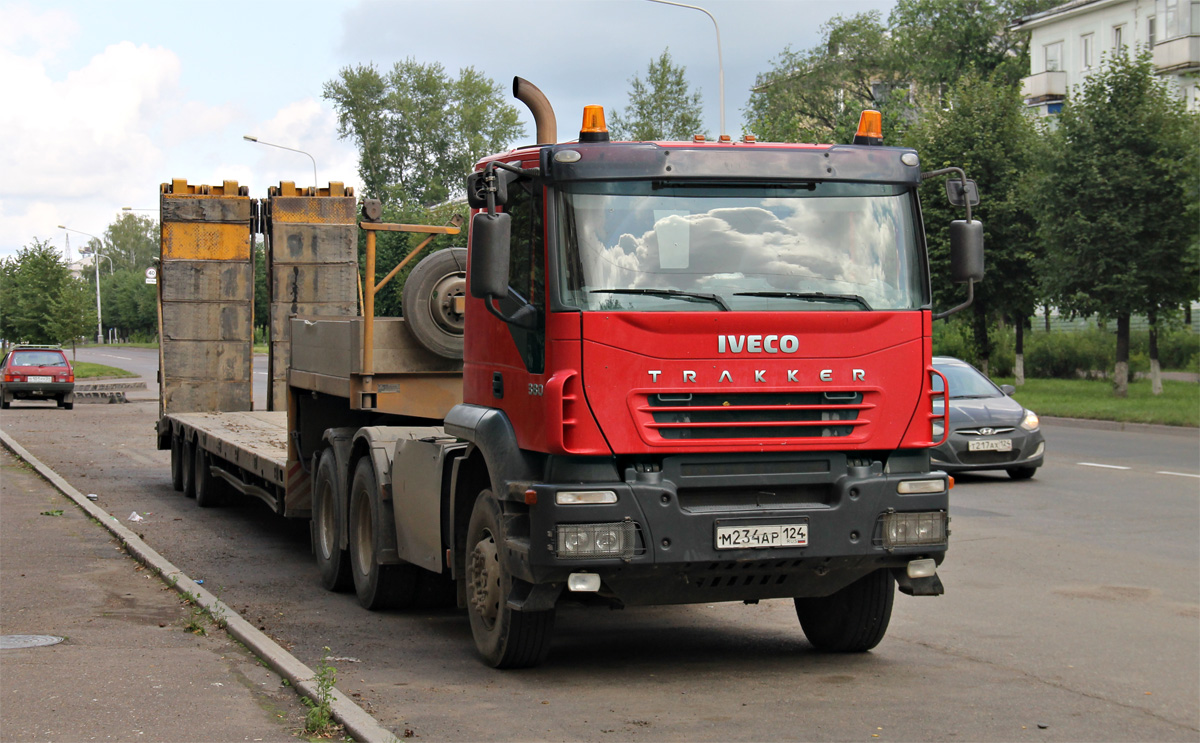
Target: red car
37,373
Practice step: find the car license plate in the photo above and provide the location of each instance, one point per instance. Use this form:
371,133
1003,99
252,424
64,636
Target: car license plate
38,379
990,445
761,536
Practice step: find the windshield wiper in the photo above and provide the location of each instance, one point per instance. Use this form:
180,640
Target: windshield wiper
810,295
714,298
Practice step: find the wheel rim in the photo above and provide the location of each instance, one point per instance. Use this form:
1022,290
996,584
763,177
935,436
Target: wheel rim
325,523
441,303
485,580
364,536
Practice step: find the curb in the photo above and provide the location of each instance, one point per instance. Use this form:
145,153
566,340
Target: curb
1100,425
360,725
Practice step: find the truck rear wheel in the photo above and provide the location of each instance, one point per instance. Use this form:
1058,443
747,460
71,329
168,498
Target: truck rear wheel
327,526
187,456
429,301
504,637
854,619
176,462
378,586
210,490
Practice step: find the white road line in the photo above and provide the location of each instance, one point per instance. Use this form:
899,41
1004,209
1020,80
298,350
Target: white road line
110,356
1177,474
1105,466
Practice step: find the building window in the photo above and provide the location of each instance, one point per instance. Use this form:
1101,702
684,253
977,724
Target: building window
1151,36
1054,56
1087,51
1118,38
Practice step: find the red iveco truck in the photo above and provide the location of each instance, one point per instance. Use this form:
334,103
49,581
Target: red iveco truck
690,372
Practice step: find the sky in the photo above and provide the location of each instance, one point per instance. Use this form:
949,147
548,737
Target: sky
103,100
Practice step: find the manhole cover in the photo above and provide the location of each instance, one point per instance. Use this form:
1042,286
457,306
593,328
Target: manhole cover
15,642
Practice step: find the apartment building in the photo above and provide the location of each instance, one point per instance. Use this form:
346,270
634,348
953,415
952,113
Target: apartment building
1068,42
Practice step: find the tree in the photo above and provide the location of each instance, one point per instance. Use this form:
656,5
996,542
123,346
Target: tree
30,283
130,304
987,132
419,131
72,314
132,242
818,94
661,108
1119,201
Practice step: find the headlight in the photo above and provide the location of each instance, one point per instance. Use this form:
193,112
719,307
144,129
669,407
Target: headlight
939,429
1030,422
914,529
583,541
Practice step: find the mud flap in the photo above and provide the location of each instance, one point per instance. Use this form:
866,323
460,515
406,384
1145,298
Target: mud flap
930,586
531,597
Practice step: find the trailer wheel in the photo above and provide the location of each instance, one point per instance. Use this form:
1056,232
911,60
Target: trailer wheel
327,526
176,462
854,619
504,637
428,301
188,461
378,586
210,490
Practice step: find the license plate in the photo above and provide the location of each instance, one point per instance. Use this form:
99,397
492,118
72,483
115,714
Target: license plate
762,536
38,379
990,445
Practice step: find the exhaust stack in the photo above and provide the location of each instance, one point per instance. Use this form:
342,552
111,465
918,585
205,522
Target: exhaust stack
539,106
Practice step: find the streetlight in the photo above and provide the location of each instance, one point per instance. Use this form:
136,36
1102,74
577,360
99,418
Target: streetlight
316,183
96,262
720,64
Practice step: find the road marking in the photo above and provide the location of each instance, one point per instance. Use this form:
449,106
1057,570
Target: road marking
110,356
1177,474
1105,466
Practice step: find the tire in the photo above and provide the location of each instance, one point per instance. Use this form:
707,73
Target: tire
58,401
187,450
854,619
428,301
210,490
176,463
504,638
1021,473
377,586
328,526
68,406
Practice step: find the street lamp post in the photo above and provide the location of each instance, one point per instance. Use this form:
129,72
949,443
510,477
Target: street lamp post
720,64
316,183
96,263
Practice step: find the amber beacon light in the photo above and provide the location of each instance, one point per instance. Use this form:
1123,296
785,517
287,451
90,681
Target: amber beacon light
870,128
594,129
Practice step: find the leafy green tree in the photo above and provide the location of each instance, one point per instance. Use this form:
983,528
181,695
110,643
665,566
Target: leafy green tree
71,314
419,131
1119,201
818,94
30,283
129,304
662,107
986,131
132,241
393,247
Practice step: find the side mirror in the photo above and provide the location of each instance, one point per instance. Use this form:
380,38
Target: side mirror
966,251
491,239
477,189
959,196
1008,389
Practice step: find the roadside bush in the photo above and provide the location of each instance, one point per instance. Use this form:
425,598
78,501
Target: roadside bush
1067,355
954,338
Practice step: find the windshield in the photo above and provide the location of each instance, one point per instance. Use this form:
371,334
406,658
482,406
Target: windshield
654,246
965,382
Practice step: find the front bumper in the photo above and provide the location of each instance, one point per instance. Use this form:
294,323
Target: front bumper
954,454
673,515
38,391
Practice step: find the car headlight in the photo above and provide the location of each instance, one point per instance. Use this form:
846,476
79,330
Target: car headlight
1030,422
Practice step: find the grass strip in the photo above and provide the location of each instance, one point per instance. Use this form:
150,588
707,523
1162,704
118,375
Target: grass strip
88,370
1178,405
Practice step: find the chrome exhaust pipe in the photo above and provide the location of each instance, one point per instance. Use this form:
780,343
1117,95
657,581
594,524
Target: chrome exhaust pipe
543,113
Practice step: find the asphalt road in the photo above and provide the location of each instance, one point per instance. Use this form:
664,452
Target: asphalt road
1072,612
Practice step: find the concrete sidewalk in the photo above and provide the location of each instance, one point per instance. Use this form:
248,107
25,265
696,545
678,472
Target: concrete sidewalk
128,669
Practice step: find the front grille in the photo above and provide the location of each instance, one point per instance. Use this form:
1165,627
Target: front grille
987,457
785,415
755,573
984,431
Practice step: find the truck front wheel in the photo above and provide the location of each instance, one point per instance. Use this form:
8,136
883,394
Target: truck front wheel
504,637
327,529
854,619
378,586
